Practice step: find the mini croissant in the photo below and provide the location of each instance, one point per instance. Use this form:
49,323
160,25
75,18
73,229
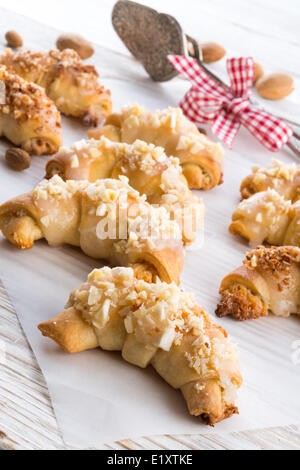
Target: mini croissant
157,324
28,118
106,219
267,217
285,179
71,84
200,158
268,281
148,169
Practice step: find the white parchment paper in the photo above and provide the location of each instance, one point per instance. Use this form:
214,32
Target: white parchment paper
99,398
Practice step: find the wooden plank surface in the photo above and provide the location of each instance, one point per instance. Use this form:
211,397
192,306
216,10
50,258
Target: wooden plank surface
27,419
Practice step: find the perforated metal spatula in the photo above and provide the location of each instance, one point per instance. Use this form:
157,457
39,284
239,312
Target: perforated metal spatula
151,36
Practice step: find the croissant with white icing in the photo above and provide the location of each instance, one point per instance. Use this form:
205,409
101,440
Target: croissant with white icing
267,217
73,85
28,118
107,219
200,158
268,281
153,324
148,169
285,179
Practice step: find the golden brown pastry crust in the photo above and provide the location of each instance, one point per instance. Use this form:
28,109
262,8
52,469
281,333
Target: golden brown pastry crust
70,331
267,217
148,169
72,212
67,80
269,280
285,179
153,324
28,118
201,159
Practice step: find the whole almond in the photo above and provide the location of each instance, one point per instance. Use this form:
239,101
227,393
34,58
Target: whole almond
275,86
18,159
13,39
258,71
191,49
76,42
212,52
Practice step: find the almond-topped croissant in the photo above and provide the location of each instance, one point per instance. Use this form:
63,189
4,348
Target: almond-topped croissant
268,281
267,217
28,118
285,179
153,324
200,158
71,84
148,169
107,219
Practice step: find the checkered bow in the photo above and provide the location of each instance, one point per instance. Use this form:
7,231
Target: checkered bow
227,110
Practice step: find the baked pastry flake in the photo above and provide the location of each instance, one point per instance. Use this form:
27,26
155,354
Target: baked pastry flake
28,118
200,158
73,85
157,324
267,217
107,219
285,179
268,281
148,169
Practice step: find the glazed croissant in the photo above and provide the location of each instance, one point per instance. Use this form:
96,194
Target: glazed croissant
27,117
107,220
148,169
71,84
200,158
267,217
285,179
269,280
157,324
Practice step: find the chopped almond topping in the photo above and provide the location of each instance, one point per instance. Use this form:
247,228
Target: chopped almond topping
172,119
277,170
274,259
25,100
51,65
175,195
158,314
144,223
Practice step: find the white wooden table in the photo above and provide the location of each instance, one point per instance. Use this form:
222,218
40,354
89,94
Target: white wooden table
267,29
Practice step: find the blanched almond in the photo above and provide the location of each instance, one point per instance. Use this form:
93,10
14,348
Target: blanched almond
76,42
212,52
275,86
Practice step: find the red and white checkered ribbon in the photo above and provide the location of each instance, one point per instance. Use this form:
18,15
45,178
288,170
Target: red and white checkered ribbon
207,101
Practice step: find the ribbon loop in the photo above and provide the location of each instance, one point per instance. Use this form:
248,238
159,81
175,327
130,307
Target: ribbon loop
207,101
241,75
